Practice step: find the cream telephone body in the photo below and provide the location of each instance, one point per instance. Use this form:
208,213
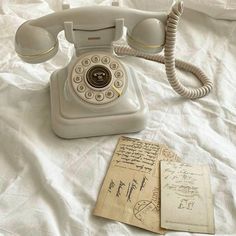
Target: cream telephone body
97,93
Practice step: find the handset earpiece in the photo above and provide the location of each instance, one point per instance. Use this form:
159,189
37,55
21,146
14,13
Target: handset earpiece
35,44
147,36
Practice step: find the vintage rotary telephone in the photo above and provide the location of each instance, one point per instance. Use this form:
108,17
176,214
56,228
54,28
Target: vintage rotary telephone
96,93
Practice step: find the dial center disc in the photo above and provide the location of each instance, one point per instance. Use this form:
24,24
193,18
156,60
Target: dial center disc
98,76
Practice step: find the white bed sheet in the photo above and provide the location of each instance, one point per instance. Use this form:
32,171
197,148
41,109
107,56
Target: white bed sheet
49,186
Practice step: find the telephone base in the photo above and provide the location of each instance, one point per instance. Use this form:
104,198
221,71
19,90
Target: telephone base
71,119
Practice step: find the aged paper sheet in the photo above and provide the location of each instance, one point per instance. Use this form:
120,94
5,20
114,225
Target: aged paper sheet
186,200
130,191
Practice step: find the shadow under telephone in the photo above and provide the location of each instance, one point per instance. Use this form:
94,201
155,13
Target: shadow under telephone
96,93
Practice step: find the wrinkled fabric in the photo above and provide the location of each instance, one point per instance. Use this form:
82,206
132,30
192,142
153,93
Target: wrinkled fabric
49,186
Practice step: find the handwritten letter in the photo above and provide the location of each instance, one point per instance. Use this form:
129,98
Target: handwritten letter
186,201
130,191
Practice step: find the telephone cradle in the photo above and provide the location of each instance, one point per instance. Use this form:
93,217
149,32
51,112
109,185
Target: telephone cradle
97,93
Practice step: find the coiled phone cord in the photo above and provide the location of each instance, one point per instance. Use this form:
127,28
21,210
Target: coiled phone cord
170,62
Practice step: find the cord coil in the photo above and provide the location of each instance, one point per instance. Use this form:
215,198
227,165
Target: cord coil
169,59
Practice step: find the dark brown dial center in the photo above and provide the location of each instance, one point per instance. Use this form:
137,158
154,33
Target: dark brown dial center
98,76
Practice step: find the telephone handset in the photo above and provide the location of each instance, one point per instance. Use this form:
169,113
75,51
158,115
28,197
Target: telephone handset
97,93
